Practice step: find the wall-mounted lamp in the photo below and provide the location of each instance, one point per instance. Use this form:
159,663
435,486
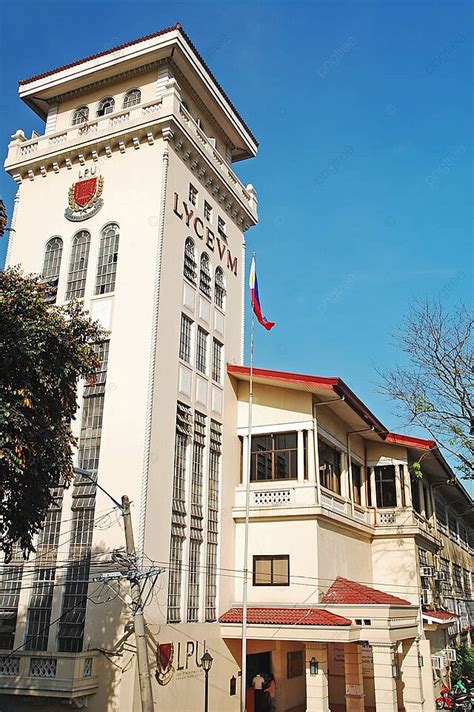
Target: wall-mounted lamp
313,666
420,660
394,670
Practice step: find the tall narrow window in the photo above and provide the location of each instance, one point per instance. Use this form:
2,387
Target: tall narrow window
185,338
132,98
178,512
80,115
196,531
221,227
385,486
219,288
215,450
205,276
10,583
193,194
201,350
76,282
356,481
51,268
108,256
329,467
190,266
207,211
216,361
106,106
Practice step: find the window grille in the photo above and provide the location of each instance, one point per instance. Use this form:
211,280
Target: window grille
80,115
132,98
197,464
466,574
87,667
457,578
441,515
190,265
175,578
9,666
74,602
97,386
10,586
43,667
446,586
215,449
205,276
185,338
108,256
194,574
76,283
51,268
201,350
106,106
193,194
219,288
216,360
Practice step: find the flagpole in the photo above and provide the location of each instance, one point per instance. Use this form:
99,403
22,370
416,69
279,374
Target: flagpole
243,684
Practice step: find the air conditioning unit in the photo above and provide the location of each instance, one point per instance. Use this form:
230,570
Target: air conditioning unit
426,596
437,662
426,571
440,575
450,654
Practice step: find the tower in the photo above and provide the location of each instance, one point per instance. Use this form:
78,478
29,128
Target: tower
129,203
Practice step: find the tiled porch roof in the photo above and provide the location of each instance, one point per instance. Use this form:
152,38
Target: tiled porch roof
285,616
439,617
347,592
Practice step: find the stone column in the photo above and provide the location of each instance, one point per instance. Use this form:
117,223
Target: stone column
317,691
421,496
311,461
300,456
245,456
413,697
363,485
384,682
398,486
373,492
353,677
408,497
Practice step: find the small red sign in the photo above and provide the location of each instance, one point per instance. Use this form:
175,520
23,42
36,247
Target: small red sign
84,191
165,651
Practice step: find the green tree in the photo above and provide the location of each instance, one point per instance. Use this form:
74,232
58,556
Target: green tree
464,664
45,350
436,387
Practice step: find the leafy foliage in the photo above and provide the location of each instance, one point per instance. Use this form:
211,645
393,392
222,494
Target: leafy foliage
436,389
45,351
464,664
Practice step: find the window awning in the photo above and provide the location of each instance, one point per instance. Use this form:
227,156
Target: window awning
285,616
440,617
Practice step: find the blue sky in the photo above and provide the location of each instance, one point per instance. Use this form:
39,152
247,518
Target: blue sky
364,115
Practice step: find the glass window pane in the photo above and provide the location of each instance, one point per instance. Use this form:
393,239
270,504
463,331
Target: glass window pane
280,570
263,571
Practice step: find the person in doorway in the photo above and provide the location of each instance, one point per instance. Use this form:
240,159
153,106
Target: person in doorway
259,694
270,689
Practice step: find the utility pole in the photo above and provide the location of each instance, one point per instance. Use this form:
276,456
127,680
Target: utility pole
138,619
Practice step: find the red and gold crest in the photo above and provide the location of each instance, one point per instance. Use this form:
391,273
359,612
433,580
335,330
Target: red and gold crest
164,663
85,199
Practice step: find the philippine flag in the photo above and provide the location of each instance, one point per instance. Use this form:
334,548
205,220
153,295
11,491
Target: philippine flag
253,283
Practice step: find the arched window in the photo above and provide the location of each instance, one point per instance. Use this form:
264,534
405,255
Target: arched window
205,275
76,281
132,98
51,267
108,255
106,106
190,265
80,115
219,288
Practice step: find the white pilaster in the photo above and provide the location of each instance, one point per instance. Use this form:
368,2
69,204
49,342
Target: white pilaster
311,461
354,678
300,456
317,691
413,698
373,493
384,682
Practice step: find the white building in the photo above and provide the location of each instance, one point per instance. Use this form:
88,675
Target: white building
129,203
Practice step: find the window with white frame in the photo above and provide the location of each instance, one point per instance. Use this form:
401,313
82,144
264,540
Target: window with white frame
219,288
108,256
274,457
190,265
76,282
201,350
185,338
193,194
207,211
51,268
216,360
132,98
80,115
221,226
329,466
205,275
106,106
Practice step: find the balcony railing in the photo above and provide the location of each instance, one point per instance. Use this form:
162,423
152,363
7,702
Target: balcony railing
49,674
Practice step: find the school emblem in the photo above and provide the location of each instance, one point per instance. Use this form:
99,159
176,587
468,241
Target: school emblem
164,663
85,199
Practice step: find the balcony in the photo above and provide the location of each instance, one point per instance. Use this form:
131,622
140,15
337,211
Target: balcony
60,675
135,124
404,521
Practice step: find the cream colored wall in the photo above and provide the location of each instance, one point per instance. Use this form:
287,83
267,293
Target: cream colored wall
330,422
342,553
146,82
273,405
394,565
385,452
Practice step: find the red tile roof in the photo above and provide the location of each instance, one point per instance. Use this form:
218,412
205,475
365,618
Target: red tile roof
410,441
441,616
285,616
175,27
345,591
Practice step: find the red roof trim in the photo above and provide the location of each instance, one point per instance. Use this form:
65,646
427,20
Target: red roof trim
409,441
285,616
345,591
334,383
172,28
440,615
